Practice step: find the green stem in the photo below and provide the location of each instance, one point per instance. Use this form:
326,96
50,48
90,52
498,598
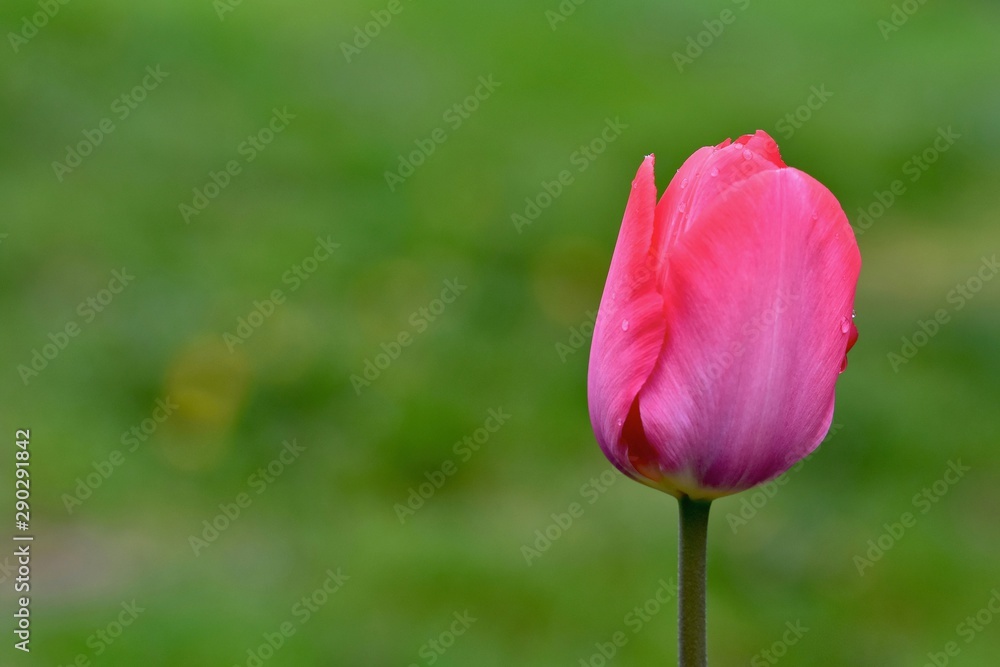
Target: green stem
692,649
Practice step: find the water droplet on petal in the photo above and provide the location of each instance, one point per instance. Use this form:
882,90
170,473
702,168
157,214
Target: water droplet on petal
620,422
624,325
815,217
748,154
854,313
684,183
681,206
714,172
845,326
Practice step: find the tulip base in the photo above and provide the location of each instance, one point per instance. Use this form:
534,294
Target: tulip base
691,565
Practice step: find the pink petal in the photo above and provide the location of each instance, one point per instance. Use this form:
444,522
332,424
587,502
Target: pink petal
758,299
707,174
629,330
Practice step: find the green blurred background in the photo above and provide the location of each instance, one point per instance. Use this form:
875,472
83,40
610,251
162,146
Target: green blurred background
515,339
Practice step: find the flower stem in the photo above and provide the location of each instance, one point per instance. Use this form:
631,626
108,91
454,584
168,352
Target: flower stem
692,650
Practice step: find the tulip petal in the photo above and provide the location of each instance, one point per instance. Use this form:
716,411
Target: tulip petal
758,301
629,330
707,174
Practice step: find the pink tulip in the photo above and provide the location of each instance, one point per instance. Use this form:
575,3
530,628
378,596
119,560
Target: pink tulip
726,318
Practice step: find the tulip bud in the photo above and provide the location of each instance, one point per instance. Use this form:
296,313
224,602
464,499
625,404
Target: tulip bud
725,321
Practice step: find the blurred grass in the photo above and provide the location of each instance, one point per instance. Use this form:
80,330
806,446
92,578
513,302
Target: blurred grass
495,346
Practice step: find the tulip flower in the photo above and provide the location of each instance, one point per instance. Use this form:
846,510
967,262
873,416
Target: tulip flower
725,321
